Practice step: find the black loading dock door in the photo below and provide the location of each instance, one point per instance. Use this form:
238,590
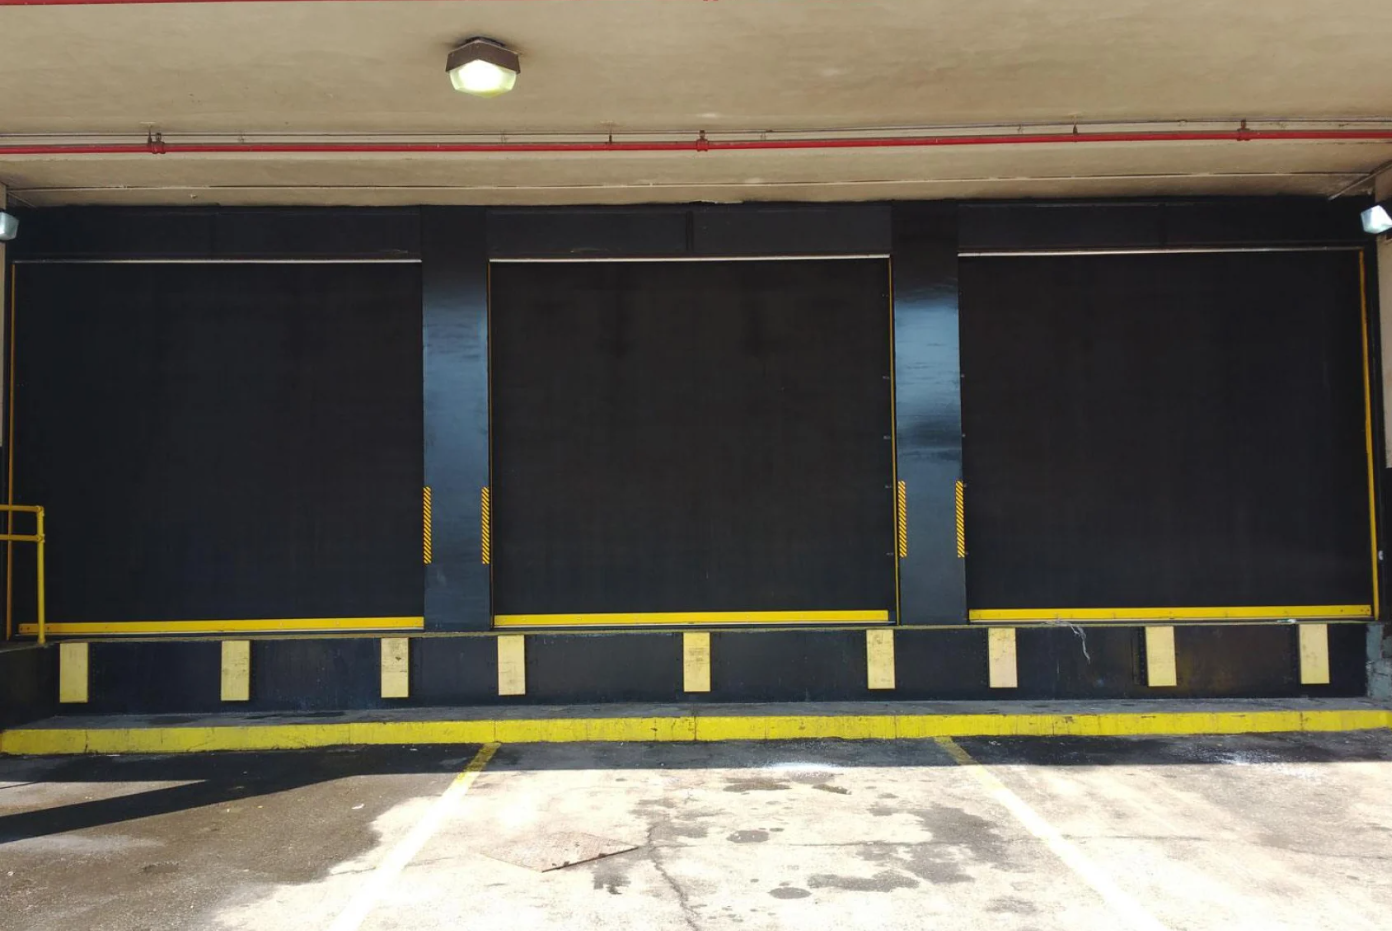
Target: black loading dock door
691,442
1173,432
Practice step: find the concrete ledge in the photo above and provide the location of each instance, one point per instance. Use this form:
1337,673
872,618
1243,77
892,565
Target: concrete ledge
648,723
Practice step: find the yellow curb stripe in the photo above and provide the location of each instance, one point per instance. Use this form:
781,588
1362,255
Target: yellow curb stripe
61,741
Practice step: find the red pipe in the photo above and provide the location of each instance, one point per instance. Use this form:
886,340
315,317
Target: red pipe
158,146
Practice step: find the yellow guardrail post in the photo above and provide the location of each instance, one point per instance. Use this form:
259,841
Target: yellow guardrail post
39,545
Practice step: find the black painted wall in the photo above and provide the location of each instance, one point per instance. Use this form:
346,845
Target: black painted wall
28,683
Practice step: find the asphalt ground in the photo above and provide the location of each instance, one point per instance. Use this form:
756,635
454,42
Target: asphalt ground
1267,832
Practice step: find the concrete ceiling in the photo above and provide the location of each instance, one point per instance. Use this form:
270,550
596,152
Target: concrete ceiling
368,69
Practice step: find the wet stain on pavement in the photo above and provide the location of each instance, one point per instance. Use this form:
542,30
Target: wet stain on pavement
883,881
828,787
789,892
610,878
668,830
1012,904
932,863
978,837
748,837
757,784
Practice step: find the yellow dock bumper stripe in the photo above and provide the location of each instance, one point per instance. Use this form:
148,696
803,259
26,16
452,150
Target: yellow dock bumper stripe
1134,615
265,626
702,618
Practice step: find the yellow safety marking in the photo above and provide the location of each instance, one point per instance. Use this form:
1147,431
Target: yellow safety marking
512,665
713,726
268,626
1127,908
902,502
72,673
426,526
1368,429
879,659
486,526
960,495
372,892
691,617
1276,613
396,667
1000,647
1160,657
696,661
236,670
1314,654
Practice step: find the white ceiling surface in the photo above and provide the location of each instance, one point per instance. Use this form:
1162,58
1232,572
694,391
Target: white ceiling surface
364,69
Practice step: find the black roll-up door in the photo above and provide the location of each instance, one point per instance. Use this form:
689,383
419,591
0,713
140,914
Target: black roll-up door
1182,430
675,437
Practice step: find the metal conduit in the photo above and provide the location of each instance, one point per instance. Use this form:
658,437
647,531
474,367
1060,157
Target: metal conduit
157,145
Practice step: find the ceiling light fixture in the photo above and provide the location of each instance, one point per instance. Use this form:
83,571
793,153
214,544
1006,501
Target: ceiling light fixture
483,67
1378,218
9,226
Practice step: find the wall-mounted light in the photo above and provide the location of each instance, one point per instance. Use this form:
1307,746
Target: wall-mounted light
1378,218
483,67
9,226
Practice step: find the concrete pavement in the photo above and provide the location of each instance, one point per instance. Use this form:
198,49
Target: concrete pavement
1032,834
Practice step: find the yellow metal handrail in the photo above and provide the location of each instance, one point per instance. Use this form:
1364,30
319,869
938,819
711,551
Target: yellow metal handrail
37,538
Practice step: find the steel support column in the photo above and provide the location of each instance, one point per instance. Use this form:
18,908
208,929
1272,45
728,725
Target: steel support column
455,317
1379,645
928,414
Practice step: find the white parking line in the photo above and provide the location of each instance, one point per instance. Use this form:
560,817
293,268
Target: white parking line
1119,901
403,853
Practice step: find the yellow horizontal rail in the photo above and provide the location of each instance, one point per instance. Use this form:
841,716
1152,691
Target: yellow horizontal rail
691,618
268,626
1260,613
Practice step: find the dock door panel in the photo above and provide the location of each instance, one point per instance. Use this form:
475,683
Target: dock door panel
679,441
1178,432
